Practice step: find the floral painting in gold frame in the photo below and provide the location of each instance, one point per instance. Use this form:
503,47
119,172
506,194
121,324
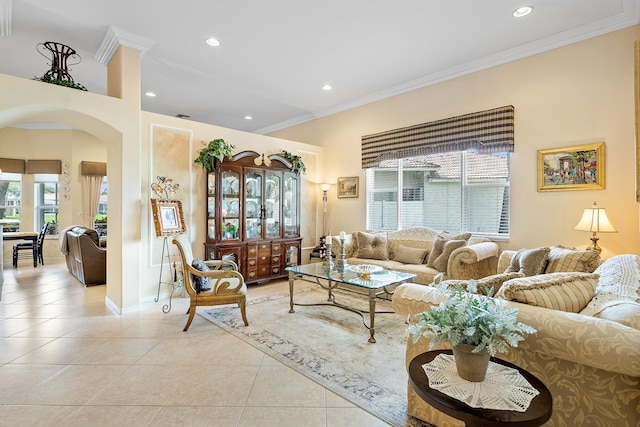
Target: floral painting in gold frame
572,168
168,217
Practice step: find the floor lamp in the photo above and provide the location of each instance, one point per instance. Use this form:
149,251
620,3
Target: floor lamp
324,188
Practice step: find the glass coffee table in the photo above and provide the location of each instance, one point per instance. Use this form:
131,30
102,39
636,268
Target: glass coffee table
373,285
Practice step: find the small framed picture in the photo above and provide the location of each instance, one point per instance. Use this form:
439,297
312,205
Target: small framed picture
571,168
168,217
348,187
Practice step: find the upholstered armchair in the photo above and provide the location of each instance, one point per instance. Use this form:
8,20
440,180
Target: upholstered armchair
226,285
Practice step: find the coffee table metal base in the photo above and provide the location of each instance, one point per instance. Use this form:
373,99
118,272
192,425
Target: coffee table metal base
372,294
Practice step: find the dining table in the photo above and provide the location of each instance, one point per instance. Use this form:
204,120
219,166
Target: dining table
24,235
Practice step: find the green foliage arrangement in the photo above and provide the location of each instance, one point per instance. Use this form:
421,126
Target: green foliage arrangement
217,149
296,161
467,318
68,83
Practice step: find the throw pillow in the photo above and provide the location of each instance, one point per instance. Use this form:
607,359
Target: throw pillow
619,280
495,282
558,291
407,255
372,246
530,262
201,284
440,262
624,312
438,245
565,259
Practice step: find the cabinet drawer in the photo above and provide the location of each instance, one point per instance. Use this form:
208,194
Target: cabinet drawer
275,270
251,263
276,248
275,259
264,272
264,260
251,275
252,251
264,249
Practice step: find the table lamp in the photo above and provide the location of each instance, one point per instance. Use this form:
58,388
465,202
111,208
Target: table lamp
595,220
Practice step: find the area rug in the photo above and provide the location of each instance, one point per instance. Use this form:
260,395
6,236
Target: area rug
329,345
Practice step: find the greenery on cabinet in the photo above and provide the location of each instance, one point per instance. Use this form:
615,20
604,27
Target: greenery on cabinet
46,78
296,162
217,149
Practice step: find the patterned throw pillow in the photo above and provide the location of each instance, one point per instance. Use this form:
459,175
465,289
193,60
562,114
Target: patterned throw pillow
441,261
565,259
407,255
495,282
372,246
438,247
530,262
201,284
569,292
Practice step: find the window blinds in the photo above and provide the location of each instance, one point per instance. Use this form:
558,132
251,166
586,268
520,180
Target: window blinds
485,132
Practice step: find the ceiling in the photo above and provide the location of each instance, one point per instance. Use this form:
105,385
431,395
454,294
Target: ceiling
276,55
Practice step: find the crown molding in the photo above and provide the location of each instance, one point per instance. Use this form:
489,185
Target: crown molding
116,37
6,17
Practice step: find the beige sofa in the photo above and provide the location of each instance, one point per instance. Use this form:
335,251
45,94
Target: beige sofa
477,258
591,364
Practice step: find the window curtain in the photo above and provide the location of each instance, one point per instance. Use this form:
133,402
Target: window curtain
92,174
489,131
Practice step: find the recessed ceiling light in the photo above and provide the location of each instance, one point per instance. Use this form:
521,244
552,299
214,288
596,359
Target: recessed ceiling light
522,11
150,94
248,118
327,87
211,41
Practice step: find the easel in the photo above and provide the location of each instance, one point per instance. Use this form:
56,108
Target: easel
165,249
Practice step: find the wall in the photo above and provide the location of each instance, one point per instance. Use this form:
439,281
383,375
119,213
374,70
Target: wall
581,93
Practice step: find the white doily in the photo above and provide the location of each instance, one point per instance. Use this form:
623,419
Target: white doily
503,388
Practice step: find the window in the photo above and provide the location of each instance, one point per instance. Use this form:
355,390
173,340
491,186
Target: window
10,200
45,193
100,223
460,191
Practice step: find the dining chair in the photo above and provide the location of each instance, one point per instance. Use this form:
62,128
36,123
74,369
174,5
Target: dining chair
226,285
27,248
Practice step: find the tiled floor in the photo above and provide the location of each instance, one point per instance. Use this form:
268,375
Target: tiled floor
66,360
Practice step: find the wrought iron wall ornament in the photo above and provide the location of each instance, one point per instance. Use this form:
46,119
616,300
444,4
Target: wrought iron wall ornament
60,57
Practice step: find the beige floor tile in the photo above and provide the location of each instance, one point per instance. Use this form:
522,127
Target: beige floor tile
51,328
32,415
111,416
352,417
12,349
142,385
120,351
17,379
282,417
13,326
335,401
72,385
215,386
197,416
62,351
47,311
293,389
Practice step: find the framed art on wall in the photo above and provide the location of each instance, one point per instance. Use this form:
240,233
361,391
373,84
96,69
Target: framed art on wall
348,187
168,217
572,168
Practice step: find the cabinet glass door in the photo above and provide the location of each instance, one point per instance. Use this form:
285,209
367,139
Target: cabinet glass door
290,205
211,206
272,205
253,205
230,209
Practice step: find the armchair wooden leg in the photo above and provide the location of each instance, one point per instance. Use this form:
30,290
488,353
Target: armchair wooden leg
192,312
243,311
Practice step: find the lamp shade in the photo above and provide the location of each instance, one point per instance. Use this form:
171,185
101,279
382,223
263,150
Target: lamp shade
595,219
325,187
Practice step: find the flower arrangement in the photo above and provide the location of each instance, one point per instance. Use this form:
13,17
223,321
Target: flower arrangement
231,228
165,187
466,318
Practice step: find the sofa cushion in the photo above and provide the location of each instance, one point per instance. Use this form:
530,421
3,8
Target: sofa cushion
619,280
624,312
439,247
201,284
558,291
407,255
440,262
565,259
529,262
372,246
495,282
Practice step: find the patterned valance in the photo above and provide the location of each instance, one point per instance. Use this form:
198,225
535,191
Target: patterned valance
487,131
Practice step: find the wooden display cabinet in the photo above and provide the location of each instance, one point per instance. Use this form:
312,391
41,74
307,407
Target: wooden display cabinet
253,215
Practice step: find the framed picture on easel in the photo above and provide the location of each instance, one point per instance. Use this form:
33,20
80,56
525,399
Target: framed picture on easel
168,217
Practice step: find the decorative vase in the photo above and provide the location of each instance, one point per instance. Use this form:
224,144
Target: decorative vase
471,366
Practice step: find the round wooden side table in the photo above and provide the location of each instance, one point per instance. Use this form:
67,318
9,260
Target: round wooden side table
538,413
